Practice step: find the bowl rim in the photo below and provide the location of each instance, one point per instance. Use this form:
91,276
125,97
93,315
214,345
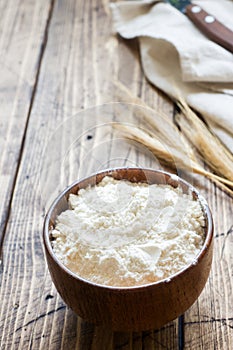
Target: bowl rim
196,260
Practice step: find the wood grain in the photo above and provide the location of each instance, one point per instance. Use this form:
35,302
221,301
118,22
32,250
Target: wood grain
23,26
80,60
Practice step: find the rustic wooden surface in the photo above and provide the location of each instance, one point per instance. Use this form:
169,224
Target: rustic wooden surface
59,58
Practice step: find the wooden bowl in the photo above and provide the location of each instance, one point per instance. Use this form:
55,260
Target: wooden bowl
130,308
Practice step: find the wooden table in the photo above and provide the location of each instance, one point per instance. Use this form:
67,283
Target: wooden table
58,58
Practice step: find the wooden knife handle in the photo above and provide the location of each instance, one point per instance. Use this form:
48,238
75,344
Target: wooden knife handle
211,27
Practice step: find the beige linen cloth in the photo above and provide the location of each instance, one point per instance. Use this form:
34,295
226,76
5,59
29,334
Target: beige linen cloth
176,56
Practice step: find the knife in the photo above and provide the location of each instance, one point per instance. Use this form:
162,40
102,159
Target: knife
207,23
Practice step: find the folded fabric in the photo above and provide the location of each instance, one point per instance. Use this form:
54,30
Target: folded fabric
179,59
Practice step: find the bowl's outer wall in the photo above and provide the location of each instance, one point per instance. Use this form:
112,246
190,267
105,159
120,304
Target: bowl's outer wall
143,308
128,309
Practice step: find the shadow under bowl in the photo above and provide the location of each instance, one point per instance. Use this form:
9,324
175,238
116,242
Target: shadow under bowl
136,308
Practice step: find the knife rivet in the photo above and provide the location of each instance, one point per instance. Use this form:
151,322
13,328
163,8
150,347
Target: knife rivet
209,19
196,9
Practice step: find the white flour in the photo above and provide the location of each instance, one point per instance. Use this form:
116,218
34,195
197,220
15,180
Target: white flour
120,233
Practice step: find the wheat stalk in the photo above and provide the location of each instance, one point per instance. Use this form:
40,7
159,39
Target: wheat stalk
163,135
213,152
169,156
160,126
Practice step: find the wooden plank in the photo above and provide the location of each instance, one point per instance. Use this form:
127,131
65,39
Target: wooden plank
22,32
209,323
80,61
75,74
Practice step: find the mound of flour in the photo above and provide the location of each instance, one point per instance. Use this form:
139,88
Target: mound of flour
120,233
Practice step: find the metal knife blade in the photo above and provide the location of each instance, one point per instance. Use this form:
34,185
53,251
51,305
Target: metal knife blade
207,23
179,4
